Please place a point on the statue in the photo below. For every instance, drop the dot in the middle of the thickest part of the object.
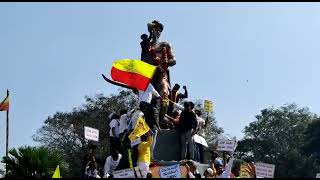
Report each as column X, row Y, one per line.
column 159, row 54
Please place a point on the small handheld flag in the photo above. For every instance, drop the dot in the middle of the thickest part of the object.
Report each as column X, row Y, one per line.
column 56, row 173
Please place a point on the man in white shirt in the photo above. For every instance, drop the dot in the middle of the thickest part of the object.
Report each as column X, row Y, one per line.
column 202, row 124
column 144, row 100
column 146, row 95
column 111, row 163
column 123, row 122
column 114, row 131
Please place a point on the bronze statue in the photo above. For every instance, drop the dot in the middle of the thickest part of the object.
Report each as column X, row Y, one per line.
column 161, row 55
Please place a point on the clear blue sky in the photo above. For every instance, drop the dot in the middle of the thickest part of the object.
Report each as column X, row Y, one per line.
column 52, row 55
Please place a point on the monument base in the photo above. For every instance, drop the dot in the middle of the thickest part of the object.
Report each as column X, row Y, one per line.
column 167, row 150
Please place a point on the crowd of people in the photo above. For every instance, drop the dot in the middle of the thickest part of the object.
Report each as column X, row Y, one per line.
column 186, row 120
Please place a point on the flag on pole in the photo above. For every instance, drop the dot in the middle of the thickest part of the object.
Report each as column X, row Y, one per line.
column 140, row 129
column 4, row 105
column 133, row 73
column 56, row 173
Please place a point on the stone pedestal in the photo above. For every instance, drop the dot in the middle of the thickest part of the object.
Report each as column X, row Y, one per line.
column 167, row 150
column 167, row 147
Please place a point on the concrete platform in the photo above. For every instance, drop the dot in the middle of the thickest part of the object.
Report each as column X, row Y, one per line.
column 167, row 150
column 167, row 147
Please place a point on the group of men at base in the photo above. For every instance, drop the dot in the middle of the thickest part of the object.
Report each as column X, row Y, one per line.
column 186, row 120
column 218, row 167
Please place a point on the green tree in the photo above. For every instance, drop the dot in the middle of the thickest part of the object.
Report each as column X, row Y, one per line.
column 312, row 138
column 277, row 137
column 32, row 162
column 64, row 131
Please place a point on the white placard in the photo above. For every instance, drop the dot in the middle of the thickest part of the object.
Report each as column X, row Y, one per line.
column 124, row 173
column 318, row 175
column 226, row 145
column 170, row 171
column 200, row 140
column 91, row 133
column 265, row 170
column 135, row 142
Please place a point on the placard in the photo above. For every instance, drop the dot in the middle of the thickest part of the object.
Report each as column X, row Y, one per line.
column 91, row 133
column 264, row 170
column 170, row 171
column 318, row 175
column 135, row 142
column 226, row 145
column 208, row 106
column 200, row 140
column 124, row 173
column 155, row 171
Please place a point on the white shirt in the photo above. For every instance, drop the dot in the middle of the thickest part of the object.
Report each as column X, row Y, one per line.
column 123, row 123
column 114, row 124
column 110, row 165
column 201, row 123
column 135, row 116
column 146, row 95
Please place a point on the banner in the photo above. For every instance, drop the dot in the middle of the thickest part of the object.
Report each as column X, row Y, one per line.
column 200, row 140
column 208, row 106
column 226, row 145
column 124, row 173
column 170, row 171
column 91, row 133
column 155, row 171
column 264, row 170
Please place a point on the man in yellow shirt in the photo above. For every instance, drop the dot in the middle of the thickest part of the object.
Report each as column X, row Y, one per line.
column 144, row 156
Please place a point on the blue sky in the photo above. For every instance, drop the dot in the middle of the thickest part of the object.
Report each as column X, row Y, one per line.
column 52, row 55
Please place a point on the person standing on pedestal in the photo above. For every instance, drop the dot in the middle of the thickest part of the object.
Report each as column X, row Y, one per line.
column 187, row 128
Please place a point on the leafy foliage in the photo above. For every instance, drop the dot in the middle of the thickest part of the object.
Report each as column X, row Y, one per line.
column 32, row 162
column 277, row 137
column 64, row 132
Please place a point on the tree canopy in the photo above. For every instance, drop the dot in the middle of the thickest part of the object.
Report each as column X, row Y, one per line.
column 278, row 137
column 34, row 162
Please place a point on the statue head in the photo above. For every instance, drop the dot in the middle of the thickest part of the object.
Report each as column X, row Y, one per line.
column 155, row 28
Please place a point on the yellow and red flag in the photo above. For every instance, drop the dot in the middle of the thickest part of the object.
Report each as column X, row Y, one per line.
column 4, row 105
column 134, row 73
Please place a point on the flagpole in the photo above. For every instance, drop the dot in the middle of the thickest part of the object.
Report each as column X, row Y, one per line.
column 7, row 132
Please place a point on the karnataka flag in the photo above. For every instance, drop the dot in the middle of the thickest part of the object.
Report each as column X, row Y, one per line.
column 133, row 73
column 140, row 129
column 4, row 105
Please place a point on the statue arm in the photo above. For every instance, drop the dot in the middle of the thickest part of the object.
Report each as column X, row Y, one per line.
column 171, row 56
column 185, row 95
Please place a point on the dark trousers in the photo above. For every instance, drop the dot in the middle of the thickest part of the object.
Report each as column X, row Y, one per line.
column 135, row 155
column 114, row 144
column 198, row 153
